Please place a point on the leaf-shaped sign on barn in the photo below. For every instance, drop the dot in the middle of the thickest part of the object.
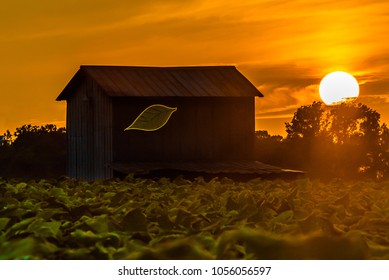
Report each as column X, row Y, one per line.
column 152, row 118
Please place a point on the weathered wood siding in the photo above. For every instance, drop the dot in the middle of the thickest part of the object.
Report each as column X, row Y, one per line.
column 89, row 128
column 214, row 120
column 202, row 128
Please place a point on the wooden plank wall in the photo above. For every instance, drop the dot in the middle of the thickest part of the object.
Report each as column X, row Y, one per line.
column 89, row 126
column 102, row 134
column 202, row 128
column 209, row 128
column 77, row 113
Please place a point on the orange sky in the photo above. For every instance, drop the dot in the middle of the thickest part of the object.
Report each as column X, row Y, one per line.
column 283, row 47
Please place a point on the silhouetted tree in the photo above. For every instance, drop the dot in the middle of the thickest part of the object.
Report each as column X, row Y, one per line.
column 6, row 139
column 267, row 146
column 303, row 133
column 355, row 129
column 346, row 140
column 384, row 147
column 306, row 122
column 264, row 135
column 34, row 151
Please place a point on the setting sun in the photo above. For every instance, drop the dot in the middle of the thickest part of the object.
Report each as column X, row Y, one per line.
column 338, row 87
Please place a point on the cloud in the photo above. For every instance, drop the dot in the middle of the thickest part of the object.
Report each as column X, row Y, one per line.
column 380, row 86
column 275, row 114
column 374, row 77
column 275, row 76
column 286, row 87
column 283, row 47
column 26, row 20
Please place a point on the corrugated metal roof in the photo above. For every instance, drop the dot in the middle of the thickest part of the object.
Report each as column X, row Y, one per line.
column 219, row 81
column 210, row 167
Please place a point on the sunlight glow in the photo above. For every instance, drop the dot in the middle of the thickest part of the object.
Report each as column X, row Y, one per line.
column 338, row 87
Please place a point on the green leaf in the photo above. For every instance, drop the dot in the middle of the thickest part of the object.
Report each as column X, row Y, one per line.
column 18, row 249
column 98, row 224
column 84, row 237
column 78, row 254
column 134, row 220
column 20, row 187
column 152, row 118
column 3, row 223
column 45, row 229
column 20, row 227
column 284, row 217
column 48, row 213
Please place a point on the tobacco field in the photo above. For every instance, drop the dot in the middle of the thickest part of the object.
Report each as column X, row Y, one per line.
column 193, row 219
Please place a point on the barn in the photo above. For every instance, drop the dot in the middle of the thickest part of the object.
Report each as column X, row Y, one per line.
column 212, row 129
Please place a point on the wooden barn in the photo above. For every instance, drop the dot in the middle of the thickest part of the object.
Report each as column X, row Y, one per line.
column 212, row 129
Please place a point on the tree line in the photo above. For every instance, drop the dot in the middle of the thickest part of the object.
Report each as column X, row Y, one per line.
column 33, row 152
column 342, row 141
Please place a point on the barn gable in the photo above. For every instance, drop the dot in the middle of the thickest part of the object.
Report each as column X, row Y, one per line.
column 214, row 121
column 196, row 81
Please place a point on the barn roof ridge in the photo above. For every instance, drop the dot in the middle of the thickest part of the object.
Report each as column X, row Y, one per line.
column 156, row 67
column 164, row 81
